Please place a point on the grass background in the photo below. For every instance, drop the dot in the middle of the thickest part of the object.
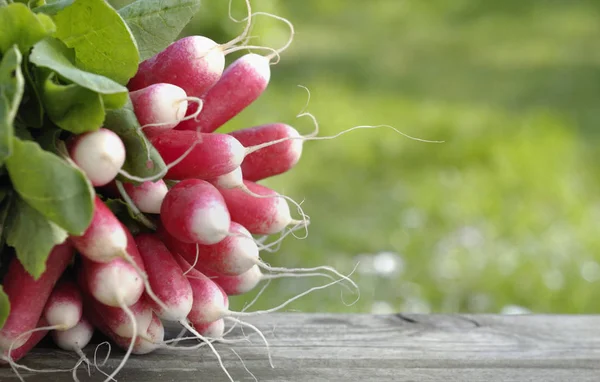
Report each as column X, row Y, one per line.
column 502, row 217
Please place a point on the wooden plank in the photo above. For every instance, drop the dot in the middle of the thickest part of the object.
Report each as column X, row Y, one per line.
column 324, row 347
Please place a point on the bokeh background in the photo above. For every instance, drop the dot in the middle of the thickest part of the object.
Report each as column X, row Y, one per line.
column 504, row 216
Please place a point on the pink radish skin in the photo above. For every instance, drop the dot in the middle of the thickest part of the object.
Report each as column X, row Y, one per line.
column 271, row 160
column 166, row 279
column 209, row 304
column 105, row 239
column 194, row 211
column 233, row 255
column 19, row 352
column 64, row 306
column 241, row 84
column 193, row 63
column 148, row 196
column 159, row 104
column 261, row 216
column 236, row 285
column 100, row 154
column 212, row 155
column 76, row 338
column 118, row 320
column 28, row 296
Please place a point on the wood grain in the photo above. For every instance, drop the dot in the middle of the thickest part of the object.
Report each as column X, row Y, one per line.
column 325, row 347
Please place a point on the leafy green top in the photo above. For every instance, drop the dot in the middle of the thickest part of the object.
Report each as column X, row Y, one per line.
column 64, row 65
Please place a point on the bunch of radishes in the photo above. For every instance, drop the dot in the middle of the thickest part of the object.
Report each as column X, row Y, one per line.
column 187, row 237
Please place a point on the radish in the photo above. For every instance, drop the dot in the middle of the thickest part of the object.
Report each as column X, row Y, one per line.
column 18, row 352
column 236, row 284
column 28, row 296
column 166, row 278
column 210, row 155
column 194, row 211
column 231, row 256
column 194, row 63
column 64, row 306
column 262, row 216
column 272, row 160
column 242, row 83
column 76, row 338
column 159, row 104
column 148, row 196
column 114, row 283
column 100, row 154
column 105, row 239
column 159, row 107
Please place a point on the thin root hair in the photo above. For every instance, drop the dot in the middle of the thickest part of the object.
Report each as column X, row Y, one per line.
column 246, row 31
column 244, row 365
column 131, row 343
column 197, row 100
column 262, row 336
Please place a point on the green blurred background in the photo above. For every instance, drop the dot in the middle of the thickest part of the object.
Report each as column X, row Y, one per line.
column 502, row 217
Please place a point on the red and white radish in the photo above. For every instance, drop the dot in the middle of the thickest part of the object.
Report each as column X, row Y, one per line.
column 241, row 84
column 64, row 306
column 272, row 160
column 114, row 283
column 166, row 278
column 208, row 155
column 148, row 196
column 262, row 216
column 28, row 296
column 18, row 352
column 100, row 154
column 159, row 107
column 231, row 256
column 194, row 212
column 194, row 63
column 105, row 238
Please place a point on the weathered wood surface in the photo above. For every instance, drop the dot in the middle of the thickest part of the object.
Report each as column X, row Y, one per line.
column 323, row 347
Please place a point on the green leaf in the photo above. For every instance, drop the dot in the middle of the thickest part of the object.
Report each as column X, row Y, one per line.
column 4, row 307
column 53, row 7
column 18, row 25
column 24, row 222
column 54, row 187
column 141, row 159
column 12, row 84
column 102, row 41
column 52, row 54
column 72, row 107
column 157, row 23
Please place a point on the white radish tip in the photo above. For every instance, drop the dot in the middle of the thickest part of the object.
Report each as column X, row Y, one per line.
column 260, row 65
column 210, row 224
column 100, row 154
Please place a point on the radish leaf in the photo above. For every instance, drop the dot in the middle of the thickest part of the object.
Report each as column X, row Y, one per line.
column 12, row 84
column 54, row 187
column 52, row 54
column 25, row 220
column 102, row 41
column 18, row 25
column 157, row 23
column 72, row 107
